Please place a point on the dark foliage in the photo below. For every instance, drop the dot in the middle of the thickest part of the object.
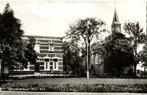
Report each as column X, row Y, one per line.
column 31, row 54
column 119, row 55
column 72, row 62
column 11, row 46
column 136, row 37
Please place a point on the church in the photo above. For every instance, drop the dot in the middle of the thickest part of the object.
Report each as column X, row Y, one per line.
column 123, row 63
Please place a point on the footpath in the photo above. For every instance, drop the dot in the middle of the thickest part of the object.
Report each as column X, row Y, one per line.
column 63, row 93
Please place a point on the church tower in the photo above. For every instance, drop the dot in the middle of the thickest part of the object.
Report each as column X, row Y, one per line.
column 116, row 26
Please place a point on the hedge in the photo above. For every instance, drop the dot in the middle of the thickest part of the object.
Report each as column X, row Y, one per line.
column 134, row 88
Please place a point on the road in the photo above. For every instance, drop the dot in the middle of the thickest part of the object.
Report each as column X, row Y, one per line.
column 64, row 93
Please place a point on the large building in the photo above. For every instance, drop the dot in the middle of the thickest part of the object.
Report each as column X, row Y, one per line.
column 97, row 60
column 103, row 67
column 50, row 57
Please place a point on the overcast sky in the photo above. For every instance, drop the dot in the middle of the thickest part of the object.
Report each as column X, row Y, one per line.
column 52, row 17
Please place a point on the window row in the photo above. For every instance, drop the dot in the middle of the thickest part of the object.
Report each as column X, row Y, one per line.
column 56, row 41
column 46, row 51
column 58, row 48
column 47, row 66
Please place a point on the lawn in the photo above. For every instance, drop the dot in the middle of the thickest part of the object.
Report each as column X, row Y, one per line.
column 77, row 85
column 80, row 81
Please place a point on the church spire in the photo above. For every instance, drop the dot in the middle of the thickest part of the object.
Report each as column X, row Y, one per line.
column 116, row 26
column 115, row 17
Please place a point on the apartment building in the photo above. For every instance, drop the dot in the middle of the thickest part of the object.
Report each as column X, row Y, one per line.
column 50, row 57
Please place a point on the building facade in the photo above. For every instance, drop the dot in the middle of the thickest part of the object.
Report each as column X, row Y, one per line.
column 50, row 55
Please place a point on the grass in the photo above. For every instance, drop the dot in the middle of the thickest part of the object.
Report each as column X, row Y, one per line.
column 77, row 85
column 79, row 81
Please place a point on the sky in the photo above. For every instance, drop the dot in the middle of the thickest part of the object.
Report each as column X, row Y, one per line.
column 53, row 17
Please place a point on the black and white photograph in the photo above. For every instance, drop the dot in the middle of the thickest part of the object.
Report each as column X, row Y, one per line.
column 73, row 47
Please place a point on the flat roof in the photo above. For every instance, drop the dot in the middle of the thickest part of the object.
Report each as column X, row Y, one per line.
column 43, row 36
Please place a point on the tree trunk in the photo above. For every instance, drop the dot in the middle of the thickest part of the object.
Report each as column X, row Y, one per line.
column 135, row 70
column 144, row 70
column 89, row 55
column 88, row 59
column 87, row 62
column 2, row 70
column 136, row 61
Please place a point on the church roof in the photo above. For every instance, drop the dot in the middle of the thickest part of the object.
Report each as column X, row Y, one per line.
column 115, row 18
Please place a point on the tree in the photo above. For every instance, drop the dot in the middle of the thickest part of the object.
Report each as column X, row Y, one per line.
column 31, row 54
column 86, row 30
column 119, row 54
column 143, row 57
column 11, row 45
column 99, row 48
column 71, row 59
column 136, row 37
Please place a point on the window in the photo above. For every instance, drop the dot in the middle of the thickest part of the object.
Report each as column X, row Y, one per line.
column 46, row 59
column 43, row 43
column 51, row 65
column 58, row 48
column 41, row 67
column 41, row 63
column 50, row 52
column 42, row 55
column 59, row 55
column 46, row 65
column 57, row 51
column 60, row 63
column 55, row 60
column 43, row 40
column 58, row 41
column 55, row 65
column 60, row 59
column 51, row 47
column 58, row 44
column 41, row 59
column 60, row 67
column 43, row 51
column 51, row 55
column 44, row 47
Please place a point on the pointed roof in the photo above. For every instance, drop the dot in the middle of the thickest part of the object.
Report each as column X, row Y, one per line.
column 115, row 18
